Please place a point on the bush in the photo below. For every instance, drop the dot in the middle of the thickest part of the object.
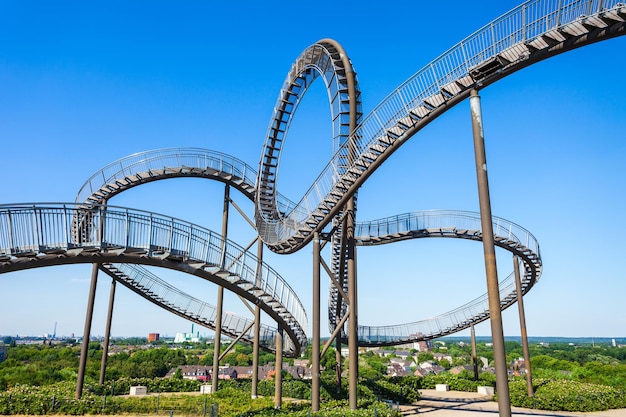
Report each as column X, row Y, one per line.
column 456, row 382
column 565, row 395
column 394, row 389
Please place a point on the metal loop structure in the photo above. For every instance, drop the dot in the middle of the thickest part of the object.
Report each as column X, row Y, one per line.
column 88, row 231
column 533, row 31
column 325, row 59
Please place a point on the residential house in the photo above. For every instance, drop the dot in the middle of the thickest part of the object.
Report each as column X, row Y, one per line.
column 396, row 369
column 419, row 371
column 441, row 356
column 199, row 372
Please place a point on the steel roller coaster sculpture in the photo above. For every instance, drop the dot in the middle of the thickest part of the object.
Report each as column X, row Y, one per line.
column 121, row 240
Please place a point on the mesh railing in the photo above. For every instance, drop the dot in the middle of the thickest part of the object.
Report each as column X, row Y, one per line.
column 144, row 162
column 442, row 219
column 41, row 228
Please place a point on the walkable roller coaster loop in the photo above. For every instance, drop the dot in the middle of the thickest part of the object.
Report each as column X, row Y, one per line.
column 123, row 240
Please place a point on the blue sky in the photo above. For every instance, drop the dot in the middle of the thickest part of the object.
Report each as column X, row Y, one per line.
column 83, row 84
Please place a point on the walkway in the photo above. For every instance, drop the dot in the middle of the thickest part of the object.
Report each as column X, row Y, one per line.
column 470, row 404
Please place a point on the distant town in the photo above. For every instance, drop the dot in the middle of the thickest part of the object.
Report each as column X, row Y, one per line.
column 402, row 360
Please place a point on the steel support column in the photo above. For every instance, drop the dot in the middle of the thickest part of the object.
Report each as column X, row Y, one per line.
column 255, row 353
column 474, row 355
column 278, row 369
column 107, row 333
column 353, row 335
column 87, row 331
column 257, row 327
column 217, row 342
column 315, row 343
column 522, row 325
column 493, row 291
column 353, row 342
column 220, row 296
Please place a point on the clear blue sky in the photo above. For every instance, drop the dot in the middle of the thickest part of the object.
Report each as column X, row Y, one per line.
column 85, row 83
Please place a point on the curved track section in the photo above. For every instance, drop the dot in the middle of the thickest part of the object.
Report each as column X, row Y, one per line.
column 36, row 235
column 152, row 288
column 328, row 60
column 149, row 166
column 533, row 31
column 161, row 164
column 167, row 163
column 449, row 224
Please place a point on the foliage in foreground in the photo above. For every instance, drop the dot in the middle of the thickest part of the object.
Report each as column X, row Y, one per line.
column 230, row 400
column 566, row 395
column 233, row 398
column 550, row 394
column 462, row 382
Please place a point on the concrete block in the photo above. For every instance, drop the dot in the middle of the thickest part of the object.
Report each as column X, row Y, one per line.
column 485, row 390
column 442, row 387
column 138, row 390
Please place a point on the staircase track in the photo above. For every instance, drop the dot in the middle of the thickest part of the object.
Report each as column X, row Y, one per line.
column 458, row 225
column 151, row 287
column 36, row 235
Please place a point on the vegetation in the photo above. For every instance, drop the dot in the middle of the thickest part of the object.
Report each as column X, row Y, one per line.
column 40, row 379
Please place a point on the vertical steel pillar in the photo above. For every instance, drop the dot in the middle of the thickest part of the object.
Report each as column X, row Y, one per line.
column 257, row 326
column 353, row 342
column 107, row 333
column 522, row 324
column 87, row 331
column 255, row 352
column 493, row 291
column 278, row 376
column 220, row 296
column 315, row 344
column 353, row 335
column 474, row 355
column 217, row 343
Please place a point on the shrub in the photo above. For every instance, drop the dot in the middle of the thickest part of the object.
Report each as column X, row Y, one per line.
column 456, row 382
column 565, row 395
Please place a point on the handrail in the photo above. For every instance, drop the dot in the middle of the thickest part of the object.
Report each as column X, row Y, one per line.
column 28, row 230
column 145, row 162
column 433, row 219
column 182, row 159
